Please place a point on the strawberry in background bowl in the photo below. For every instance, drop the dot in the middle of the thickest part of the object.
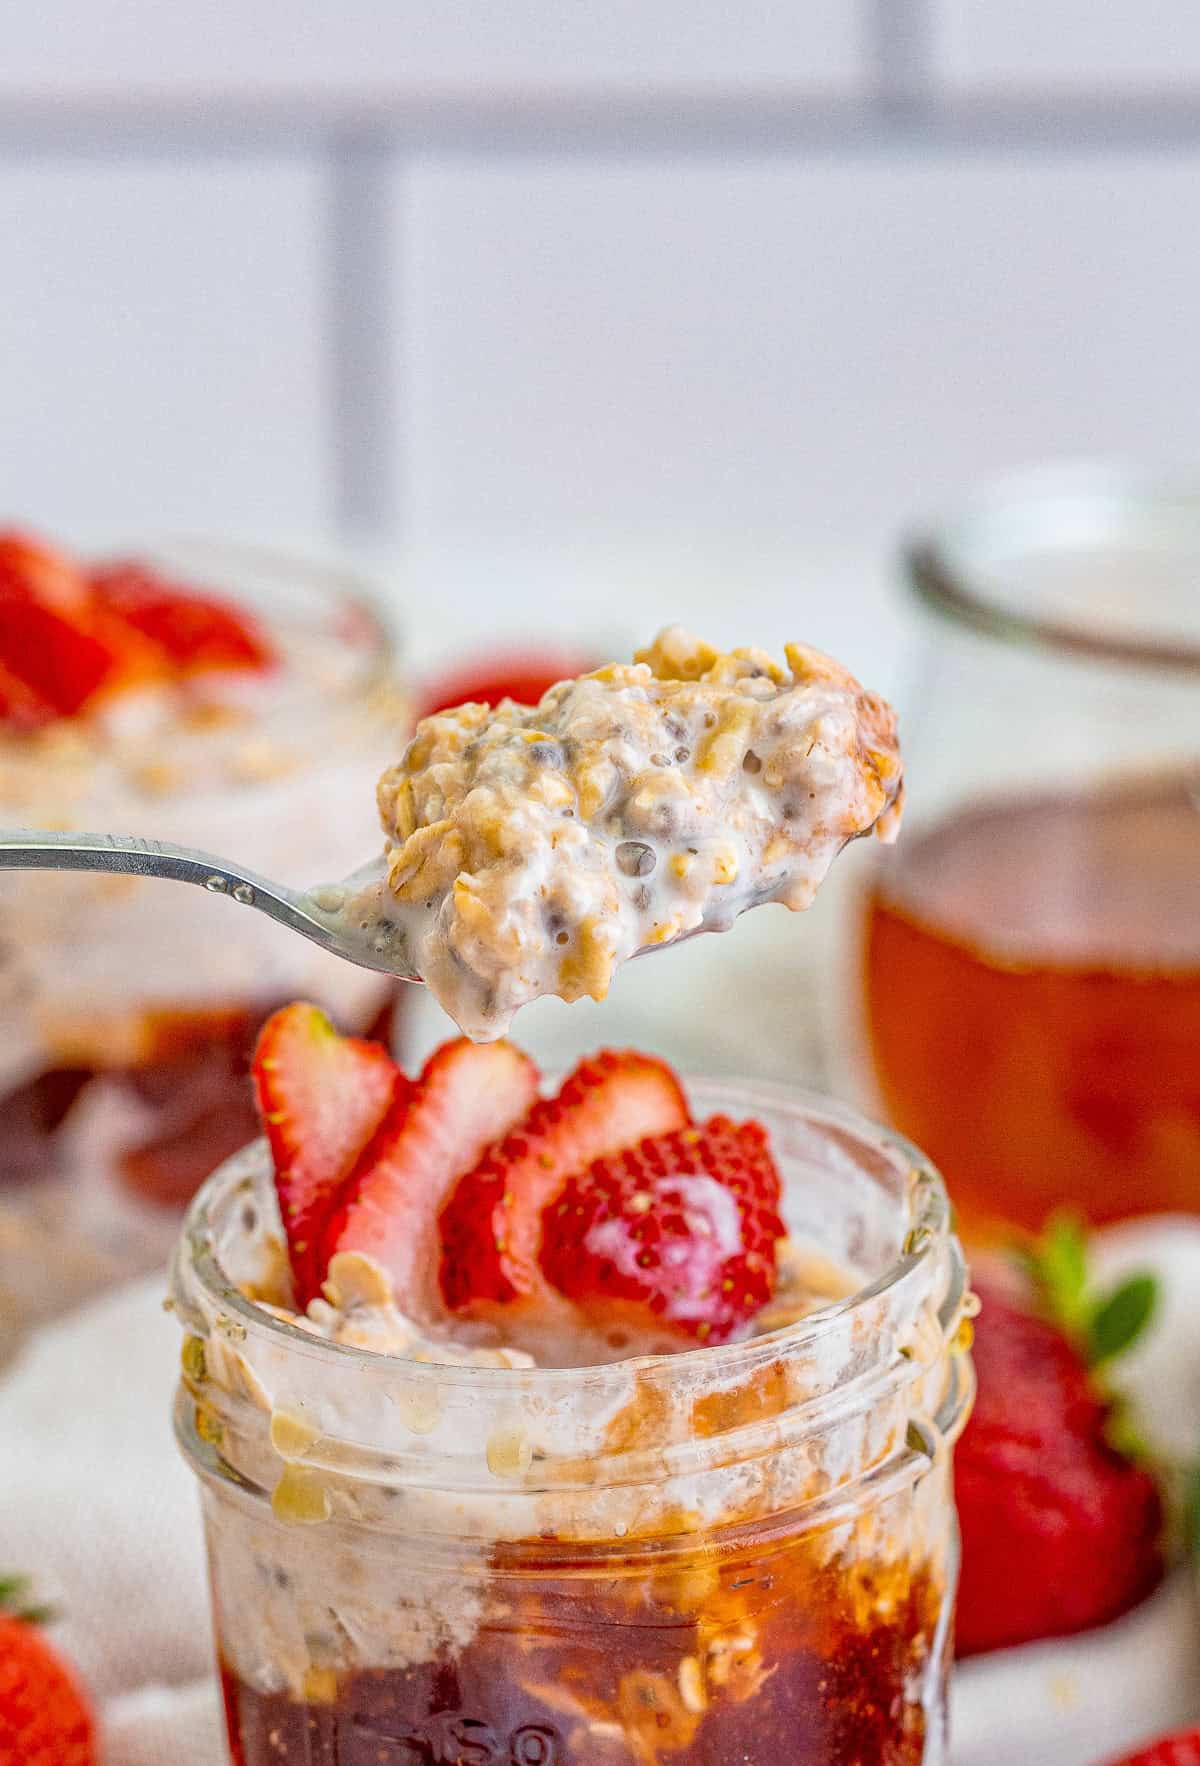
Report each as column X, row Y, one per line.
column 73, row 637
column 223, row 697
column 1182, row 1748
column 487, row 677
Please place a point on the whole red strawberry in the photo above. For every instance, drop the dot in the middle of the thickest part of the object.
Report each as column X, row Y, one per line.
column 45, row 1720
column 1180, row 1749
column 1061, row 1530
column 678, row 1231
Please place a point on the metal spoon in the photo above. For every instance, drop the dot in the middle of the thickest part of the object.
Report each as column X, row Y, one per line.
column 346, row 918
column 349, row 918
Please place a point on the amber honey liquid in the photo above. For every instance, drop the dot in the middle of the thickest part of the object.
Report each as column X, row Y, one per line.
column 1032, row 975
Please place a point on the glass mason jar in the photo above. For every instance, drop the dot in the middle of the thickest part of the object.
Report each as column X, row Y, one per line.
column 745, row 1552
column 1030, row 951
column 128, row 1006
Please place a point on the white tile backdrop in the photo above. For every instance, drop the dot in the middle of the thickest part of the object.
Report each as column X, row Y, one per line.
column 162, row 344
column 591, row 304
column 1069, row 47
column 147, row 47
column 697, row 350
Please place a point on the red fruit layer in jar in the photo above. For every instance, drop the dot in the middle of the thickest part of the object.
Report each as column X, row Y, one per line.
column 641, row 1671
column 189, row 1082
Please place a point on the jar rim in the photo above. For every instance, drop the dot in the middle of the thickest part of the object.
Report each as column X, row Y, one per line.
column 927, row 1227
column 945, row 566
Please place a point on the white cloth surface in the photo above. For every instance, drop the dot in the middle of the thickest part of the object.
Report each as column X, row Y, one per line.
column 97, row 1504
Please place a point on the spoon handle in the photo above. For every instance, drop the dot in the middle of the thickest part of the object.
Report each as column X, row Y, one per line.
column 38, row 849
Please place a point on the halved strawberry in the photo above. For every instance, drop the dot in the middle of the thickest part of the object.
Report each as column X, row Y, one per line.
column 194, row 631
column 469, row 1095
column 678, row 1231
column 321, row 1097
column 491, row 1228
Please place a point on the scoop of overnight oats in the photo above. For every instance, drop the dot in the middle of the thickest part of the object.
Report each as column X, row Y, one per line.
column 249, row 720
column 532, row 850
column 593, row 1422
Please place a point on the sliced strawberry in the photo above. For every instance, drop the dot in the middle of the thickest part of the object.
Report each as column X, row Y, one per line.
column 321, row 1097
column 1180, row 1749
column 56, row 655
column 63, row 665
column 469, row 1095
column 68, row 639
column 491, row 1227
column 678, row 1231
column 522, row 675
column 195, row 632
column 20, row 707
column 34, row 571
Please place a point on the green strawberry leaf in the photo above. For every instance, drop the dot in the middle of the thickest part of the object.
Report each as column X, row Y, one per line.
column 1102, row 1325
column 1056, row 1263
column 1119, row 1317
column 14, row 1601
column 1124, row 1436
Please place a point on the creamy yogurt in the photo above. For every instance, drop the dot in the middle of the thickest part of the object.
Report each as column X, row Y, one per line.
column 358, row 1307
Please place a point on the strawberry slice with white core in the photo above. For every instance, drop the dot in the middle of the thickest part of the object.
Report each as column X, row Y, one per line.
column 468, row 1096
column 678, row 1232
column 321, row 1097
column 491, row 1228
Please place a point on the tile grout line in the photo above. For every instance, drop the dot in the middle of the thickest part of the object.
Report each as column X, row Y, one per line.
column 362, row 313
column 900, row 50
column 903, row 107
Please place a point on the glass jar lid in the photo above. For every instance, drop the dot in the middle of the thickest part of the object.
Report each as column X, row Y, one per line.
column 1097, row 560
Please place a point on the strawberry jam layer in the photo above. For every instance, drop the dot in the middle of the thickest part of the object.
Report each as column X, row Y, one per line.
column 773, row 1657
column 181, row 1079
